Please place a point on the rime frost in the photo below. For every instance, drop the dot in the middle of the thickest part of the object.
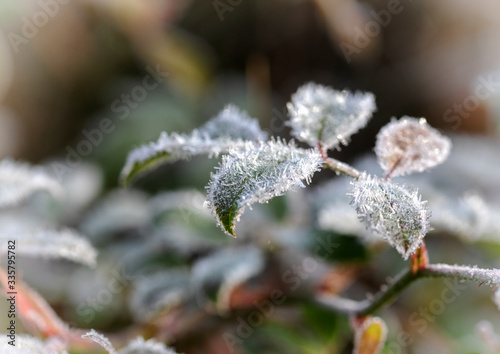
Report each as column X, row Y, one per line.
column 256, row 174
column 141, row 346
column 235, row 124
column 320, row 114
column 488, row 276
column 394, row 212
column 410, row 145
column 229, row 129
column 20, row 180
column 100, row 339
column 52, row 244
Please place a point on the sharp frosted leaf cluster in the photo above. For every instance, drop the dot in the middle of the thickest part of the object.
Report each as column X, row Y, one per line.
column 230, row 128
column 141, row 346
column 320, row 114
column 410, row 145
column 52, row 244
column 20, row 180
column 256, row 174
column 395, row 213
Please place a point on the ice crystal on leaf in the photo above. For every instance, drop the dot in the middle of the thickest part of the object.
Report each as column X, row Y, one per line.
column 51, row 244
column 230, row 128
column 100, row 339
column 141, row 346
column 136, row 346
column 256, row 174
column 235, row 124
column 410, row 145
column 395, row 213
column 20, row 180
column 320, row 114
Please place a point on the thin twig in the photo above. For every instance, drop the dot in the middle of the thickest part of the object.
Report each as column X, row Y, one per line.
column 400, row 283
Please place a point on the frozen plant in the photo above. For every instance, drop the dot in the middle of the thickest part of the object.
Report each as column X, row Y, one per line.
column 255, row 170
column 183, row 283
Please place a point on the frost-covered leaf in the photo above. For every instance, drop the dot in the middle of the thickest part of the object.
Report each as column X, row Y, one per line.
column 235, row 124
column 20, row 180
column 158, row 292
column 119, row 211
column 370, row 336
column 101, row 340
column 320, row 114
column 395, row 213
column 410, row 145
column 25, row 344
column 229, row 129
column 51, row 244
column 470, row 218
column 141, row 346
column 221, row 272
column 256, row 174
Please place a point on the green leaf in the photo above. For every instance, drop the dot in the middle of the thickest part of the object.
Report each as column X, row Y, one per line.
column 229, row 129
column 256, row 174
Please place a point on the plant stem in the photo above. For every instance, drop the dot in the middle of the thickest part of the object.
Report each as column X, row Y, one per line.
column 341, row 167
column 402, row 281
column 337, row 165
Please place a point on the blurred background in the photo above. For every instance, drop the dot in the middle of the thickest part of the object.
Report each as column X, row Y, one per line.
column 130, row 69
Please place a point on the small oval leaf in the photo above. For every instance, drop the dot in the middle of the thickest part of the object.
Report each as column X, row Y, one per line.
column 410, row 145
column 370, row 336
column 320, row 114
column 395, row 213
column 256, row 174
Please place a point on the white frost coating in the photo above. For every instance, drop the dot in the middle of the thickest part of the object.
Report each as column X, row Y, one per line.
column 20, row 180
column 229, row 129
column 235, row 124
column 141, row 346
column 155, row 292
column 410, row 145
column 100, row 339
column 395, row 213
column 25, row 344
column 52, row 244
column 322, row 114
column 481, row 275
column 256, row 174
column 228, row 268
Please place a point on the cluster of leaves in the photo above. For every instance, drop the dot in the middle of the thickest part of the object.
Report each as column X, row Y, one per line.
column 186, row 274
